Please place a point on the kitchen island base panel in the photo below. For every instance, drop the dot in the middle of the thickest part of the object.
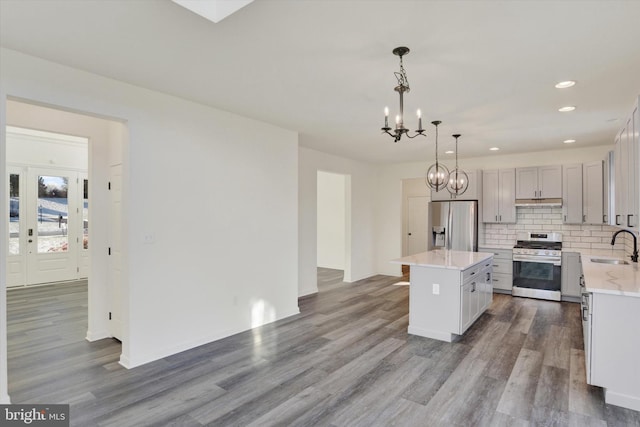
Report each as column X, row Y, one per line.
column 436, row 335
column 623, row 400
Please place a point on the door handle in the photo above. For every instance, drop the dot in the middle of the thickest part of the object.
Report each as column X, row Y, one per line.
column 409, row 234
column 30, row 241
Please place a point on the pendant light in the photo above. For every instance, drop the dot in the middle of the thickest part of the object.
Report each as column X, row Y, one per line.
column 401, row 88
column 437, row 174
column 458, row 179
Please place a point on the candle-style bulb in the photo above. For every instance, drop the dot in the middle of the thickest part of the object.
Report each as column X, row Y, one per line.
column 386, row 111
column 419, row 113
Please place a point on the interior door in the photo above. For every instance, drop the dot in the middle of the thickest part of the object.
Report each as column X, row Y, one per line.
column 52, row 237
column 417, row 225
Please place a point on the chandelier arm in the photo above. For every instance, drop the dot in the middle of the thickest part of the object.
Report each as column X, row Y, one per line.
column 417, row 134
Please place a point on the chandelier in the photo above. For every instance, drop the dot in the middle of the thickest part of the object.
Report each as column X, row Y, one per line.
column 437, row 174
column 458, row 179
column 403, row 86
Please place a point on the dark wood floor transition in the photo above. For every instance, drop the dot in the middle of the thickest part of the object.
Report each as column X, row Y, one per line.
column 346, row 360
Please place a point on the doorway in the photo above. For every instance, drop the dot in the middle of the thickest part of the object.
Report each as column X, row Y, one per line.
column 69, row 212
column 48, row 207
column 332, row 225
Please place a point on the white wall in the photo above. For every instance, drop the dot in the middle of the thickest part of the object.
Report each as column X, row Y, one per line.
column 222, row 204
column 361, row 183
column 331, row 220
column 389, row 196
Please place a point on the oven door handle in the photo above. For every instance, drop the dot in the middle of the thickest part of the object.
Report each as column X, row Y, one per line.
column 537, row 259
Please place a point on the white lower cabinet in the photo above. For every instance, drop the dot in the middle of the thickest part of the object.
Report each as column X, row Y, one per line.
column 502, row 276
column 445, row 302
column 571, row 272
column 615, row 346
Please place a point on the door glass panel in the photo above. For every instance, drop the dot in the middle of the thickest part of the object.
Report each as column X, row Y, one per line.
column 53, row 211
column 85, row 215
column 14, row 214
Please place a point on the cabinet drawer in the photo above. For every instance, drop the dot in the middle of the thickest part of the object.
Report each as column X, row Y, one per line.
column 502, row 281
column 472, row 273
column 502, row 266
column 498, row 253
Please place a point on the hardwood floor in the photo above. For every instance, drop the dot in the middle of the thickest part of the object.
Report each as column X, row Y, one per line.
column 345, row 360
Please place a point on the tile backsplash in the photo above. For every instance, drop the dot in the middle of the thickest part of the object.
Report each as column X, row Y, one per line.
column 547, row 218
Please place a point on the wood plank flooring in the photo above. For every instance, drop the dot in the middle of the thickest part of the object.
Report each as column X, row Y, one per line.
column 346, row 360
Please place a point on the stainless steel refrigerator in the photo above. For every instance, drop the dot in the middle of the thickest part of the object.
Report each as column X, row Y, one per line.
column 453, row 225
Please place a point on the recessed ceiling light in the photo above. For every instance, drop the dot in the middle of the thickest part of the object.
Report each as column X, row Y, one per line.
column 494, row 148
column 567, row 108
column 569, row 141
column 565, row 84
column 448, row 152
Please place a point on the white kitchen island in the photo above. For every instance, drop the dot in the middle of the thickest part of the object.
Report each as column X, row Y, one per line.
column 448, row 291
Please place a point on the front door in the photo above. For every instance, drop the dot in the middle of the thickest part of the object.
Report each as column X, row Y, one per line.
column 54, row 219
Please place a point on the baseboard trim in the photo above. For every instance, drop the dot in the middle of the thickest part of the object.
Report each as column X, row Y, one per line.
column 95, row 336
column 623, row 400
column 436, row 335
column 133, row 362
column 4, row 399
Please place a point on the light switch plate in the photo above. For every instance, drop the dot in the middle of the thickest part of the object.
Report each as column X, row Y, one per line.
column 436, row 289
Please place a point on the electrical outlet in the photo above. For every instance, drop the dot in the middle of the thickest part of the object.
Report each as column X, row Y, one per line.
column 149, row 238
column 436, row 289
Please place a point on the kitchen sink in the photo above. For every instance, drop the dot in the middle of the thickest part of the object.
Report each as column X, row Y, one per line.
column 609, row 261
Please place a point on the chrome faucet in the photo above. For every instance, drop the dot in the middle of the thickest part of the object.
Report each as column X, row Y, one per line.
column 634, row 257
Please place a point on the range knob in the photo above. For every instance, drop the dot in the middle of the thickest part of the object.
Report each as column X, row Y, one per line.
column 546, row 253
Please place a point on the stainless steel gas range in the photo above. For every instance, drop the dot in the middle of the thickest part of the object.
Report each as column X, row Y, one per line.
column 537, row 265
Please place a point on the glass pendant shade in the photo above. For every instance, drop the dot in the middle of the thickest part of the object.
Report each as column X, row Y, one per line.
column 458, row 182
column 437, row 174
column 458, row 179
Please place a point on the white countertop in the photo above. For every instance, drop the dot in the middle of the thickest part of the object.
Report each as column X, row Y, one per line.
column 621, row 279
column 442, row 258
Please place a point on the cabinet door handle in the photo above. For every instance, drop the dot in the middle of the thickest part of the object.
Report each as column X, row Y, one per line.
column 584, row 218
column 500, row 218
column 628, row 221
column 496, row 218
column 604, row 219
column 618, row 220
column 565, row 218
column 473, row 287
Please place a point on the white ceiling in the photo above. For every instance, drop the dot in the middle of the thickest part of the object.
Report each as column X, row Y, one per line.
column 324, row 68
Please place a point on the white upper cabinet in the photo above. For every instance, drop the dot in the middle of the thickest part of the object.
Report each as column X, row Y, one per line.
column 572, row 194
column 498, row 196
column 626, row 160
column 550, row 182
column 526, row 183
column 583, row 193
column 593, row 194
column 539, row 182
